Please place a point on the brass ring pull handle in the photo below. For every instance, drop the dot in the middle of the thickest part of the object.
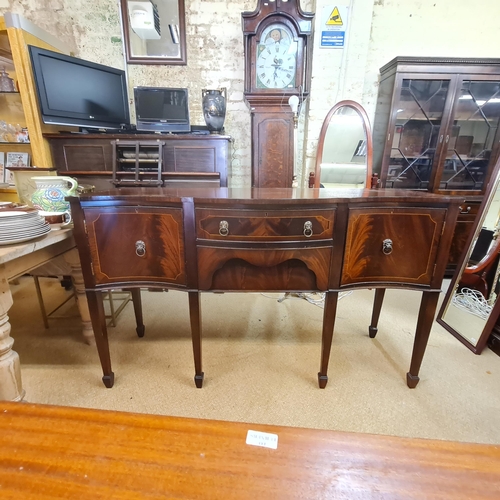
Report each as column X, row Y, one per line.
column 140, row 248
column 464, row 211
column 308, row 229
column 387, row 246
column 223, row 227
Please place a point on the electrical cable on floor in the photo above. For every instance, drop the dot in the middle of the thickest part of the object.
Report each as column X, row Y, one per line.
column 473, row 302
column 315, row 298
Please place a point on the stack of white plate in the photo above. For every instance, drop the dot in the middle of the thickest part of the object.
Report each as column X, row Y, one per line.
column 18, row 226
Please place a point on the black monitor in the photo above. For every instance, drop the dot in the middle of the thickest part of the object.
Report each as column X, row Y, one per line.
column 162, row 109
column 72, row 91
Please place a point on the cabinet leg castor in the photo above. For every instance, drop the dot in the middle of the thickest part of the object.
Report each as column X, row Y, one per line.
column 109, row 380
column 372, row 331
column 198, row 380
column 412, row 380
column 322, row 380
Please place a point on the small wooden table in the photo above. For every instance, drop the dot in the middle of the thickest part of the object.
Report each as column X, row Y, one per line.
column 60, row 452
column 16, row 260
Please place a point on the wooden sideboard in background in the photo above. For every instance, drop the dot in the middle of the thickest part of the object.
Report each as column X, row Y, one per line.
column 188, row 159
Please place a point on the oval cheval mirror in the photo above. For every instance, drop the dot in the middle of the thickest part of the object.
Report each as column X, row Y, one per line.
column 472, row 305
column 344, row 156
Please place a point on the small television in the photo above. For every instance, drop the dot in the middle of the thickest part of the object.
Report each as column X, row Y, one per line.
column 162, row 109
column 72, row 91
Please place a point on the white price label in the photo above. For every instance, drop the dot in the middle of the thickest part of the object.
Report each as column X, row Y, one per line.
column 264, row 439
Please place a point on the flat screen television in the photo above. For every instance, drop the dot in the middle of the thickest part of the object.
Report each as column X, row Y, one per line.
column 72, row 91
column 162, row 109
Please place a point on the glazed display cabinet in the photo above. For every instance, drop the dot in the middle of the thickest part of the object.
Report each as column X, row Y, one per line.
column 436, row 129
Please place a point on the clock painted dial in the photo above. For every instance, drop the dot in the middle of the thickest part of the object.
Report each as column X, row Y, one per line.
column 276, row 58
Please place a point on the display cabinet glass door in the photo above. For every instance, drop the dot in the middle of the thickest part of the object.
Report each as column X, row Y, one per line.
column 415, row 133
column 470, row 141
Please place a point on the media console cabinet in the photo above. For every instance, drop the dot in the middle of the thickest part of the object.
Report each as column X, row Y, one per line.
column 186, row 158
column 251, row 240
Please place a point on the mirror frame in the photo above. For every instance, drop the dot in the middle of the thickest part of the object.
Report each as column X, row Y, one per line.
column 322, row 136
column 131, row 59
column 462, row 268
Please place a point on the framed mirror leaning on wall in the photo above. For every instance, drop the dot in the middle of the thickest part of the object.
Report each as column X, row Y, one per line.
column 472, row 303
column 344, row 156
column 154, row 31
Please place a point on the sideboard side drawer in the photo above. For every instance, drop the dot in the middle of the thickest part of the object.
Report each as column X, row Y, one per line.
column 392, row 245
column 136, row 244
column 264, row 226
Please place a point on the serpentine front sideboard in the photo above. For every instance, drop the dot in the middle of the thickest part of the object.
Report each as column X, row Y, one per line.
column 250, row 240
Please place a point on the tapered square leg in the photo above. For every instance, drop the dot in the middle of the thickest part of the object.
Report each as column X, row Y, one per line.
column 424, row 324
column 97, row 315
column 136, row 299
column 195, row 319
column 377, row 307
column 327, row 335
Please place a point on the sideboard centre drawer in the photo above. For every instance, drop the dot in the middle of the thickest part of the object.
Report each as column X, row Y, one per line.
column 136, row 244
column 264, row 226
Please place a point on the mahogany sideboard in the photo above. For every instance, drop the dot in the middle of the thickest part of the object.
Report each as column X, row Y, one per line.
column 49, row 452
column 187, row 158
column 267, row 239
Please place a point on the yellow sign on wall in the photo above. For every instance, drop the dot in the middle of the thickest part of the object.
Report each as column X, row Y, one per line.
column 335, row 19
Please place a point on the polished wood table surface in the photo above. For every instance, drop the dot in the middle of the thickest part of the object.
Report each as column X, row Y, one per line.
column 59, row 452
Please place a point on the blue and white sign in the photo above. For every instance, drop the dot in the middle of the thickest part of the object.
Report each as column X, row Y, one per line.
column 333, row 26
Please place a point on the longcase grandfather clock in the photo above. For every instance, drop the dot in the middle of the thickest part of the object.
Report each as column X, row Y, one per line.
column 278, row 50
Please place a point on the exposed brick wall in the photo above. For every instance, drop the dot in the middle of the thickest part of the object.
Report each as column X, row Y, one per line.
column 378, row 30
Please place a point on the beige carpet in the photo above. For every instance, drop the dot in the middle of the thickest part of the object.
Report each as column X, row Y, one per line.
column 261, row 359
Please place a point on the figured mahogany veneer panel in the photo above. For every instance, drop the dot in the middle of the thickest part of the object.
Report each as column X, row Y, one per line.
column 414, row 235
column 260, row 225
column 272, row 148
column 115, row 238
column 263, row 269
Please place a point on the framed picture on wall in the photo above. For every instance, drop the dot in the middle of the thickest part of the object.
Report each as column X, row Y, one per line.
column 17, row 160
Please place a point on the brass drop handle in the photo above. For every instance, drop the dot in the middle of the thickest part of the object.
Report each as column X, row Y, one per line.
column 464, row 211
column 223, row 227
column 140, row 248
column 387, row 246
column 308, row 229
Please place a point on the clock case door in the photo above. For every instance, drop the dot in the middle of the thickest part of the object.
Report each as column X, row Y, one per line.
column 272, row 117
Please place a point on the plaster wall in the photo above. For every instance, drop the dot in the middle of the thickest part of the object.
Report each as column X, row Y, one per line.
column 377, row 31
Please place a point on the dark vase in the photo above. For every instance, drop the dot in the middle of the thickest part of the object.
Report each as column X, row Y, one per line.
column 214, row 108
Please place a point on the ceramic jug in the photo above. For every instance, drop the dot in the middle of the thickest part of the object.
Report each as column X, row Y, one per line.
column 50, row 192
